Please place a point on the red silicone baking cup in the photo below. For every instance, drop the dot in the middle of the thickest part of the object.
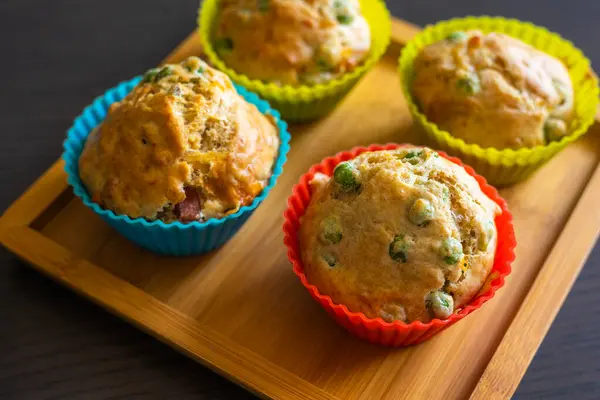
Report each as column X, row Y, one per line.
column 376, row 330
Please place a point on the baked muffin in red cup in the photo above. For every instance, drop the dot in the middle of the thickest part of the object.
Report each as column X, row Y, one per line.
column 398, row 242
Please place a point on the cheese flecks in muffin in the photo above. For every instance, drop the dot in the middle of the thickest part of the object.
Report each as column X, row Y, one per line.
column 183, row 145
column 493, row 90
column 400, row 235
column 292, row 42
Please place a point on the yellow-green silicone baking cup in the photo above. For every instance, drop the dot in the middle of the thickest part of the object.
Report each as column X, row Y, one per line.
column 303, row 103
column 506, row 166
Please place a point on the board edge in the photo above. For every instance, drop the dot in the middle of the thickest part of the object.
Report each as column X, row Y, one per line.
column 515, row 352
column 37, row 197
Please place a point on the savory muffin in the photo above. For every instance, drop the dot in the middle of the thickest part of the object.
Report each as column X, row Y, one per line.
column 291, row 42
column 399, row 234
column 183, row 145
column 493, row 90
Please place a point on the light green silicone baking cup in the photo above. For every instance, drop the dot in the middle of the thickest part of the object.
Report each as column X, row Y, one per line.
column 303, row 103
column 506, row 166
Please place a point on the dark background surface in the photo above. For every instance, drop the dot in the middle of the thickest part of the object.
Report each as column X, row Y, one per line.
column 56, row 57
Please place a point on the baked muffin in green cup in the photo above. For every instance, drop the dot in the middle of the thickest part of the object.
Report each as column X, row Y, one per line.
column 303, row 57
column 503, row 95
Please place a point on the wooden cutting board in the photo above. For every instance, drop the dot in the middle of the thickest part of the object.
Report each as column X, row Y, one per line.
column 242, row 312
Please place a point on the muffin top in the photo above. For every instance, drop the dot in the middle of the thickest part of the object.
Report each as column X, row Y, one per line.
column 399, row 234
column 292, row 42
column 493, row 90
column 183, row 145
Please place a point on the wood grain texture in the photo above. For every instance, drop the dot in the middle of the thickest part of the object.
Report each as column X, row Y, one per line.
column 259, row 328
column 56, row 345
column 151, row 315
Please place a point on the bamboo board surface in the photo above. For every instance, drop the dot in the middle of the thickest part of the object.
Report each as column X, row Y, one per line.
column 242, row 312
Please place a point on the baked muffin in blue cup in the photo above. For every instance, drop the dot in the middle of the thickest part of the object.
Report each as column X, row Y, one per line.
column 177, row 160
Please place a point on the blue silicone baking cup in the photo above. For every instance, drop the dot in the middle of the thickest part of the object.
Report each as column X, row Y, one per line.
column 175, row 239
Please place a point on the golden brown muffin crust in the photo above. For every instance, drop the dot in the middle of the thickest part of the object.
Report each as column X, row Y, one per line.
column 381, row 249
column 292, row 41
column 185, row 126
column 493, row 90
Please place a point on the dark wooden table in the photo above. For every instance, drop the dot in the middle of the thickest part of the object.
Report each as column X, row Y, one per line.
column 55, row 57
